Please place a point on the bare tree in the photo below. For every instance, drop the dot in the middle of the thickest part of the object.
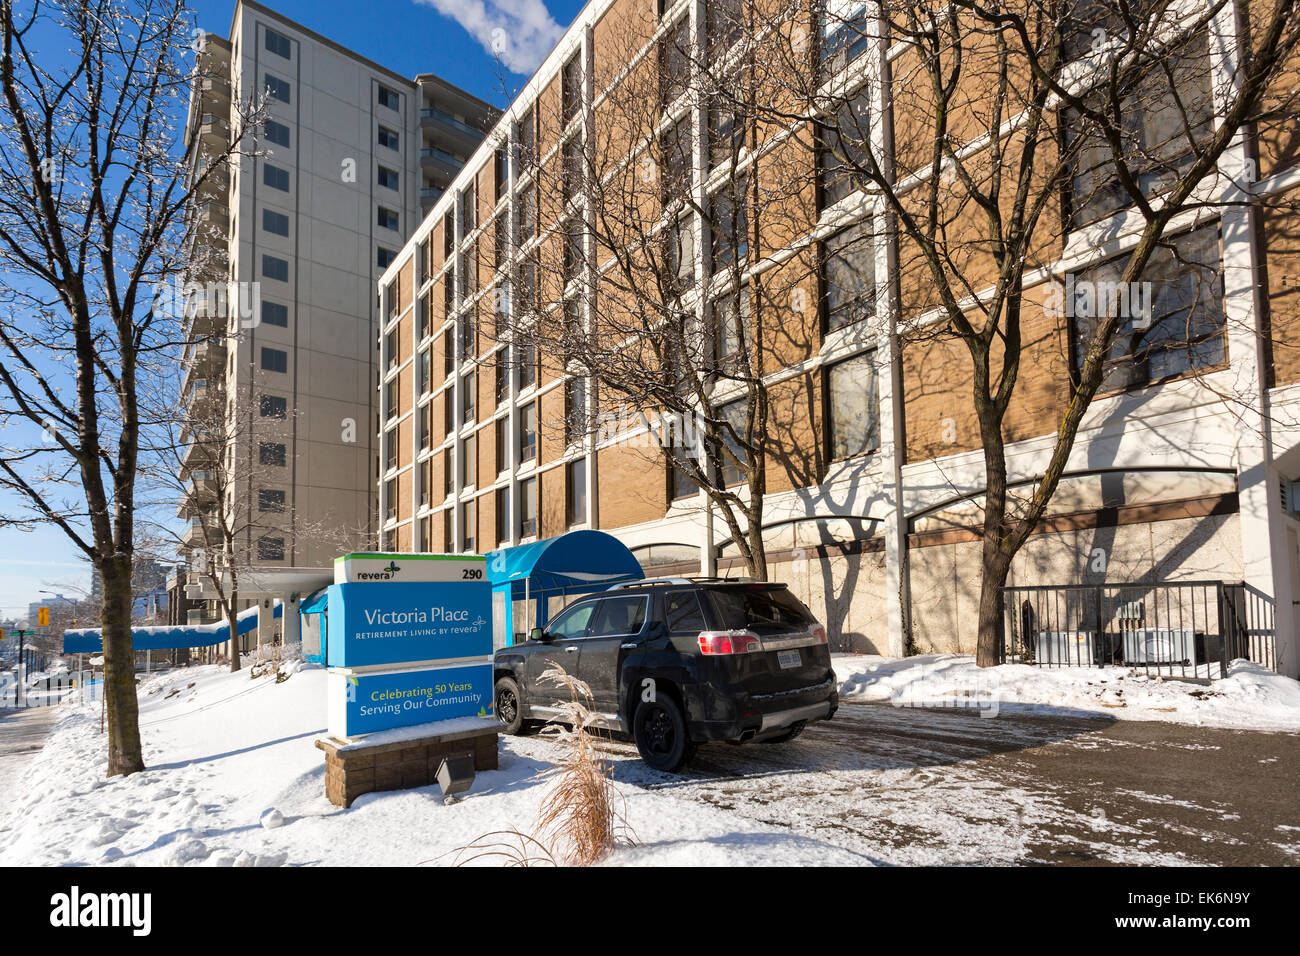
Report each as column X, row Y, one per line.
column 1012, row 123
column 656, row 255
column 95, row 175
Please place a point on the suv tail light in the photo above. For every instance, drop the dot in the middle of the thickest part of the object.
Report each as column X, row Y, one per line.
column 729, row 642
column 818, row 634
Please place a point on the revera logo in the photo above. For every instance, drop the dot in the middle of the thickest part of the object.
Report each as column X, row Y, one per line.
column 76, row 909
column 387, row 574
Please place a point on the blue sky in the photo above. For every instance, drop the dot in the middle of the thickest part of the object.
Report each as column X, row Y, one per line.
column 448, row 37
column 451, row 38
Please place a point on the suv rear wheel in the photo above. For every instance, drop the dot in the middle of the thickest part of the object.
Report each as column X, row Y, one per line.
column 660, row 733
column 509, row 707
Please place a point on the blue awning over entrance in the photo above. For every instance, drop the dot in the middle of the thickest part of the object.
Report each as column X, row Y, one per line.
column 574, row 563
column 569, row 563
column 90, row 640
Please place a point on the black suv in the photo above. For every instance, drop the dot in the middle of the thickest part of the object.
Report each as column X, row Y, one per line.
column 677, row 662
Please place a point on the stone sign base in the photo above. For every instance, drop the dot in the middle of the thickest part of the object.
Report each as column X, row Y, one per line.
column 406, row 758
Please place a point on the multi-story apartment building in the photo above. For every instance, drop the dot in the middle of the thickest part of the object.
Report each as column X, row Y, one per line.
column 874, row 521
column 347, row 161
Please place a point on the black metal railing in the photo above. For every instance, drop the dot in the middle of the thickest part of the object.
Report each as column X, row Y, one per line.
column 1179, row 629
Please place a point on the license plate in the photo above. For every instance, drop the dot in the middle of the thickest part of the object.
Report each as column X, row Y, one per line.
column 788, row 659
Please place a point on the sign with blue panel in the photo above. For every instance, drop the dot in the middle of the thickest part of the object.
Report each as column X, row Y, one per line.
column 362, row 703
column 382, row 623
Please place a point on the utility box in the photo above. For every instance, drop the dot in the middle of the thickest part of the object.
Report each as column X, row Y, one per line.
column 1066, row 647
column 1152, row 645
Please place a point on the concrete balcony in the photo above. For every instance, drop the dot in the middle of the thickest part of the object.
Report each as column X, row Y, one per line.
column 201, row 534
column 439, row 166
column 457, row 134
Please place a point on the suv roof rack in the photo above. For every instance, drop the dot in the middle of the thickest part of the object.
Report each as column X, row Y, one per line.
column 702, row 579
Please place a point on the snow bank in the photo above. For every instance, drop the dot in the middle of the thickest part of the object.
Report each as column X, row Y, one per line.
column 1250, row 697
column 234, row 778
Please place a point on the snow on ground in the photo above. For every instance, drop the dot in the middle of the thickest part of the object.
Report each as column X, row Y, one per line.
column 1250, row 697
column 234, row 779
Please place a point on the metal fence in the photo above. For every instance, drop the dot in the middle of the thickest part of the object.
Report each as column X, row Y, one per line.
column 44, row 691
column 1185, row 629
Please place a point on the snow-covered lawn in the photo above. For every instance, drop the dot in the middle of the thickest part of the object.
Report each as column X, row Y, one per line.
column 234, row 779
column 1250, row 697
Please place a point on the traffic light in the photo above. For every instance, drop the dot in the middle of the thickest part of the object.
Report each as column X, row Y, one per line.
column 42, row 617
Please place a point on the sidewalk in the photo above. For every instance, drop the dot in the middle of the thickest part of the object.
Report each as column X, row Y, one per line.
column 22, row 734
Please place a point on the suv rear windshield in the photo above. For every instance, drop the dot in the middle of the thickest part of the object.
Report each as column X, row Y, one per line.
column 761, row 609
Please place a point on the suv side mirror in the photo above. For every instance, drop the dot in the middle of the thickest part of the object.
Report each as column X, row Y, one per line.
column 537, row 634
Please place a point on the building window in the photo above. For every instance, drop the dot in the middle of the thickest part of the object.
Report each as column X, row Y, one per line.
column 449, row 352
column 571, row 87
column 575, row 478
column 274, row 406
column 390, row 449
column 500, row 175
column 271, row 453
column 1157, row 127
column 468, row 523
column 575, row 410
column 528, row 432
column 730, row 225
column 468, row 209
column 674, row 61
column 389, row 98
column 853, row 412
column 273, row 267
column 426, row 486
column 527, row 353
column 1172, row 319
column 843, row 152
column 467, row 390
column 270, row 549
column 448, row 476
column 850, row 262
column 422, row 372
column 680, row 484
column 731, row 330
column 734, row 458
column 274, row 360
column 390, row 498
column 843, row 33
column 388, row 178
column 268, row 500
column 678, row 147
column 527, row 213
column 389, row 137
column 528, row 140
column 503, row 515
column 469, row 461
column 681, row 253
column 724, row 23
column 574, row 234
column 275, row 177
column 390, row 351
column 277, row 43
column 421, row 318
column 390, row 397
column 502, row 428
column 425, row 427
column 571, row 163
column 726, row 131
column 528, row 508
column 387, row 219
column 277, row 88
column 384, row 257
column 274, row 222
column 276, row 133
column 275, row 313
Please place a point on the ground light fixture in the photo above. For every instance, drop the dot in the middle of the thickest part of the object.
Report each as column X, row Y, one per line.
column 455, row 775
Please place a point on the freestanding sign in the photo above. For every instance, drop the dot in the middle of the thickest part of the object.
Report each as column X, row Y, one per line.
column 408, row 641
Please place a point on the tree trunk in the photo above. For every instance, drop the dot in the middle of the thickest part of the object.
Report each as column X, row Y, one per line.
column 996, row 564
column 122, row 708
column 232, row 621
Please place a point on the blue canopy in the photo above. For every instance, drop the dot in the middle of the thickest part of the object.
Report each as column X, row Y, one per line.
column 569, row 563
column 90, row 640
column 315, row 602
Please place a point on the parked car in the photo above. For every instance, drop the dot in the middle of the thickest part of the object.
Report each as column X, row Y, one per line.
column 677, row 662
